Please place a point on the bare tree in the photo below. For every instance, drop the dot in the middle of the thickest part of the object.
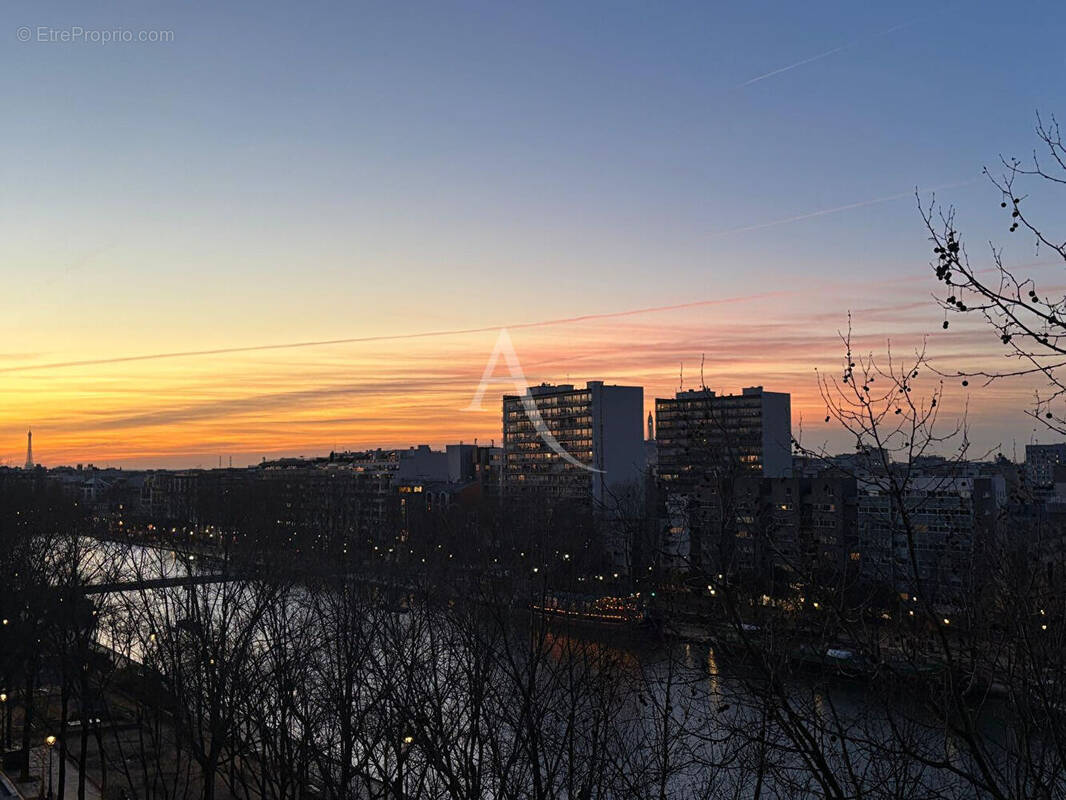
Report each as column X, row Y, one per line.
column 200, row 639
column 1029, row 320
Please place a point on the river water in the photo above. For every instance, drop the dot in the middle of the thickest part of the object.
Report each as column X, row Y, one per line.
column 624, row 712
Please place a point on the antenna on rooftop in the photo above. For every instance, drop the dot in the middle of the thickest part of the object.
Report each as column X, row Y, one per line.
column 682, row 377
column 703, row 384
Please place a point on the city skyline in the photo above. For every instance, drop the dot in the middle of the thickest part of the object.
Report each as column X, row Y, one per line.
column 385, row 172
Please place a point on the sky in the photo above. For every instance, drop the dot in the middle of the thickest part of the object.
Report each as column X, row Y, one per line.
column 660, row 184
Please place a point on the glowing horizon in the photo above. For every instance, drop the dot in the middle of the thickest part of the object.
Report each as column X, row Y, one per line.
column 249, row 402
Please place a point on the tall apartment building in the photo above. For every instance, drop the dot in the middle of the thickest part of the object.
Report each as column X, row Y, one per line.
column 586, row 446
column 699, row 428
column 704, row 439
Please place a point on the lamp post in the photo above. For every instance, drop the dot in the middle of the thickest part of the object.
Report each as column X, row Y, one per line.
column 4, row 737
column 50, row 741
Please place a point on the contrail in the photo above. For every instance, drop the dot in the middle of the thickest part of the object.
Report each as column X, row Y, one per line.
column 823, row 212
column 389, row 337
column 779, row 70
column 462, row 331
column 820, row 56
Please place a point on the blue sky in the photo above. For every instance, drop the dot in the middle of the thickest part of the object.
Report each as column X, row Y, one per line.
column 314, row 170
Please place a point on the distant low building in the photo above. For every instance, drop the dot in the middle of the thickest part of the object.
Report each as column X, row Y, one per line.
column 478, row 464
column 1040, row 463
column 794, row 527
column 949, row 520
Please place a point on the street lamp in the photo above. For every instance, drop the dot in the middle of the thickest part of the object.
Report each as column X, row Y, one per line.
column 50, row 741
column 3, row 722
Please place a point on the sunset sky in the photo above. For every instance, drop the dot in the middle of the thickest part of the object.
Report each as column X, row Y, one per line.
column 625, row 186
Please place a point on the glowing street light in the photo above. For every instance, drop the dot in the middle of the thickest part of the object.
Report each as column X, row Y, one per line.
column 50, row 741
column 4, row 736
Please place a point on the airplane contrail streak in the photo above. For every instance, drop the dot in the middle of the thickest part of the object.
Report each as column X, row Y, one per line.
column 835, row 209
column 386, row 337
column 778, row 71
column 820, row 56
